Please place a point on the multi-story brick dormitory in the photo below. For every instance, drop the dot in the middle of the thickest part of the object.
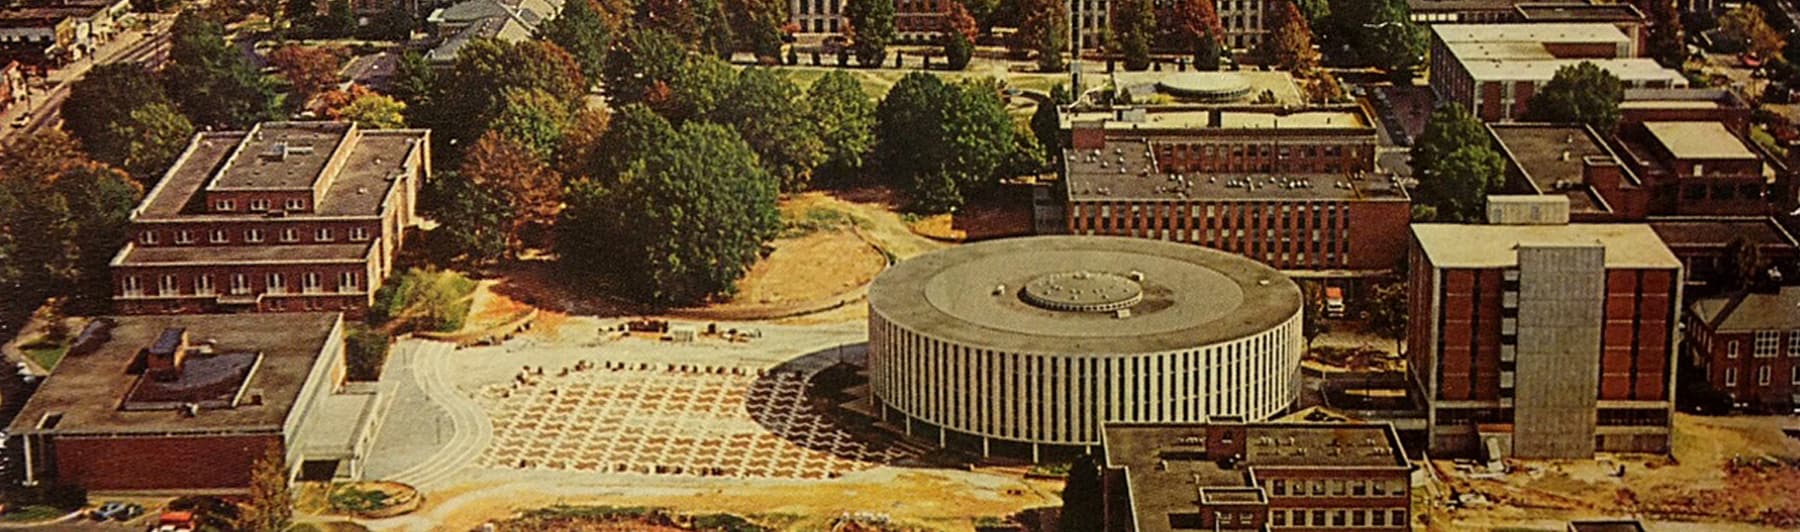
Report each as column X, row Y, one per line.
column 289, row 216
column 1229, row 475
column 1532, row 337
column 1748, row 345
column 1494, row 69
column 1293, row 189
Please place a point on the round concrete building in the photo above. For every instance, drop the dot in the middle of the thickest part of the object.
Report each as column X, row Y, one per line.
column 1025, row 346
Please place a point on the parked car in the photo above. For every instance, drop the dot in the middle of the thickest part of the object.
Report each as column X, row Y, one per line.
column 117, row 511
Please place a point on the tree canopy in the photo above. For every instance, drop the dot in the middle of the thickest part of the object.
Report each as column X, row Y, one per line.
column 847, row 116
column 1455, row 165
column 120, row 114
column 1188, row 22
column 1583, row 93
column 773, row 116
column 518, row 178
column 642, row 65
column 871, row 29
column 1381, row 32
column 626, row 230
column 310, row 70
column 580, row 31
column 1290, row 40
column 63, row 216
column 940, row 142
column 1044, row 31
column 474, row 94
column 211, row 81
column 1746, row 24
column 1133, row 26
column 375, row 111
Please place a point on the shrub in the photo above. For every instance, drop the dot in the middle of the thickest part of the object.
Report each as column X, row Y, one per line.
column 365, row 352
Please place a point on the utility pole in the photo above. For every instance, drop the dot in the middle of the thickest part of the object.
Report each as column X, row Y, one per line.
column 1075, row 43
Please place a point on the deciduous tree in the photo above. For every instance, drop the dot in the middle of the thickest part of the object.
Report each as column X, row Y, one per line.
column 757, row 25
column 687, row 219
column 473, row 95
column 939, row 141
column 1582, row 93
column 1290, row 40
column 643, row 64
column 519, row 179
column 1133, row 26
column 1455, row 166
column 107, row 95
column 870, row 26
column 474, row 224
column 769, row 112
column 269, row 507
column 1044, row 31
column 532, row 118
column 1747, row 24
column 580, row 31
column 1188, row 22
column 153, row 136
column 211, row 80
column 847, row 116
column 308, row 69
column 1387, row 315
column 375, row 111
column 1666, row 42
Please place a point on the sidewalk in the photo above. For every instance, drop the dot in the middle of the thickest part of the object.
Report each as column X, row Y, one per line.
column 47, row 95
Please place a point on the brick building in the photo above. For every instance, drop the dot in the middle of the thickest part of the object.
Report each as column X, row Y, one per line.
column 1542, row 340
column 1293, row 189
column 288, row 216
column 1573, row 161
column 1748, row 344
column 1703, row 168
column 1229, row 475
column 914, row 20
column 1684, row 105
column 189, row 403
column 1703, row 243
column 1493, row 69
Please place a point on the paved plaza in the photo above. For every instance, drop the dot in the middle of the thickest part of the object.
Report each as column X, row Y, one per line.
column 669, row 420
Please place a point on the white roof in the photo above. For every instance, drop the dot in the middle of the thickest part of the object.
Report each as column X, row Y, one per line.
column 1560, row 33
column 1635, row 70
column 1699, row 140
column 1497, row 246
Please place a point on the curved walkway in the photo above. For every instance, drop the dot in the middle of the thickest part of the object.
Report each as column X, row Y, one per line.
column 471, row 429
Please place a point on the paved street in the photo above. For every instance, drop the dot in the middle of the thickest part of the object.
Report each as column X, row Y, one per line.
column 149, row 46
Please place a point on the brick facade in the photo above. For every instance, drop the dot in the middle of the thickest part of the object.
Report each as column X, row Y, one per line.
column 1748, row 346
column 145, row 463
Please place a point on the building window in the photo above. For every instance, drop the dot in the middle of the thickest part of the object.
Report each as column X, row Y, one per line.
column 290, row 234
column 1730, row 377
column 187, row 237
column 218, row 236
column 168, row 286
column 203, row 284
column 323, row 235
column 1731, row 349
column 1762, row 375
column 1768, row 344
column 347, row 282
column 277, row 284
column 1397, row 517
column 130, row 286
column 1794, row 343
column 309, row 282
column 253, row 235
column 1318, row 518
column 1337, row 518
column 147, row 237
column 1278, row 517
column 1796, row 378
column 1359, row 518
column 1358, row 488
column 1378, row 518
column 240, row 284
column 224, row 205
column 296, row 204
column 1280, row 487
column 259, row 205
column 358, row 234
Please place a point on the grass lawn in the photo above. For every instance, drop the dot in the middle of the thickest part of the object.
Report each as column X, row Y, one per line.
column 31, row 514
column 45, row 352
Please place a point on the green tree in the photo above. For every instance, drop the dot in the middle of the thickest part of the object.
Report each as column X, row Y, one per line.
column 1044, row 31
column 687, row 219
column 769, row 112
column 1046, row 125
column 153, row 136
column 107, row 95
column 757, row 26
column 1743, row 265
column 1583, row 93
column 365, row 352
column 533, row 118
column 643, row 65
column 633, row 129
column 474, row 92
column 339, row 20
column 1133, row 26
column 1386, row 314
column 847, row 117
column 1666, row 42
column 1207, row 53
column 871, row 29
column 99, row 201
column 65, row 216
column 211, row 81
column 1746, row 24
column 375, row 111
column 957, row 50
column 580, row 31
column 701, row 89
column 269, row 507
column 940, row 142
column 700, row 25
column 473, row 222
column 1455, row 165
column 1382, row 34
column 415, row 84
column 1083, row 497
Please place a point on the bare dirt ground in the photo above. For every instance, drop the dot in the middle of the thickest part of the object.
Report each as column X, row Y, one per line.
column 1736, row 473
column 979, row 221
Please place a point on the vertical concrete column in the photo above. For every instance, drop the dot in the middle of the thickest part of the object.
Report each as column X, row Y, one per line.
column 1562, row 293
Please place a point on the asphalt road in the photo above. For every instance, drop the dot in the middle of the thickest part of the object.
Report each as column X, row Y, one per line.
column 150, row 47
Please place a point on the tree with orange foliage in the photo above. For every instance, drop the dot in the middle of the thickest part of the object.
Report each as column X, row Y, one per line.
column 1290, row 43
column 308, row 69
column 1186, row 23
column 518, row 178
column 957, row 18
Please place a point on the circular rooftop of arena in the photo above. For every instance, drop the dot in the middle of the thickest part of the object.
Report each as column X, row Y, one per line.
column 1084, row 295
column 1206, row 86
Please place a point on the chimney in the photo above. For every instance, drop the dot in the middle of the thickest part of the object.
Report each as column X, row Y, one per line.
column 1215, row 118
column 164, row 358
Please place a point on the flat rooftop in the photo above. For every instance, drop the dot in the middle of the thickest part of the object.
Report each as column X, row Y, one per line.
column 1606, row 526
column 1497, row 246
column 1691, row 232
column 976, row 294
column 1168, row 467
column 1518, row 52
column 358, row 188
column 1553, row 156
column 1632, row 70
column 85, row 391
column 1578, row 12
column 1095, row 176
column 1536, row 33
column 135, row 255
column 1199, row 118
column 1698, row 140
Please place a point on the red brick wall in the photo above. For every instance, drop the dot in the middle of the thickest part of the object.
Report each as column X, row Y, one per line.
column 1714, row 356
column 1421, row 315
column 1583, row 50
column 1522, row 93
column 1378, row 235
column 1490, row 110
column 1634, row 359
column 308, row 231
column 151, row 463
column 1352, row 234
